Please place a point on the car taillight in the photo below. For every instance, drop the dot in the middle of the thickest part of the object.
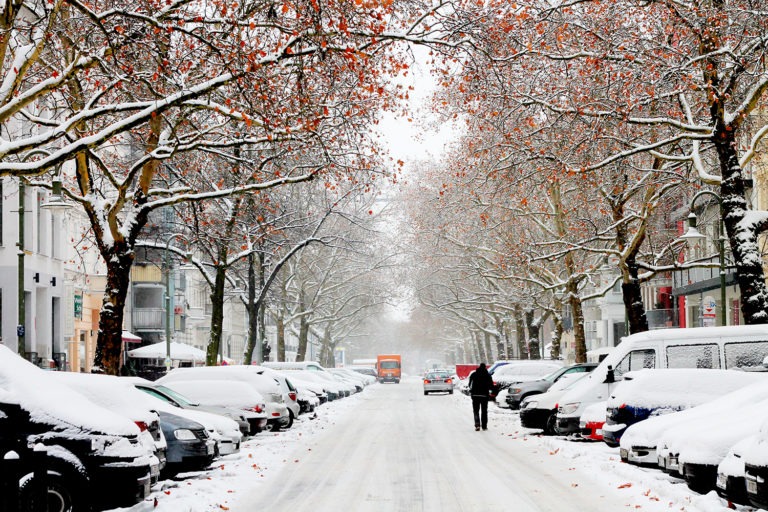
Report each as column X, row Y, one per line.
column 623, row 406
column 142, row 426
column 448, row 381
column 257, row 408
column 494, row 383
column 426, row 381
column 555, row 406
column 292, row 396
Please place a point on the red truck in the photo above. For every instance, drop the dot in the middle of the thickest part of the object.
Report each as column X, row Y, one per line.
column 388, row 367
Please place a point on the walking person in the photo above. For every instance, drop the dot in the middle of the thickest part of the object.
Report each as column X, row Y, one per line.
column 480, row 385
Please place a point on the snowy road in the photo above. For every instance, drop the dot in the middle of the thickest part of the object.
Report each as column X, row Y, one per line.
column 402, row 451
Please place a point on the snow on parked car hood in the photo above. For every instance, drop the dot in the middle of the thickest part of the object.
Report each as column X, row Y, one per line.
column 49, row 401
column 225, row 393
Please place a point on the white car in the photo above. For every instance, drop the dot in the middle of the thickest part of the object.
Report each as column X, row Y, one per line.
column 277, row 411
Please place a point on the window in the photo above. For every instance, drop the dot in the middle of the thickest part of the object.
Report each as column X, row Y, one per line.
column 693, row 356
column 146, row 297
column 636, row 360
column 745, row 354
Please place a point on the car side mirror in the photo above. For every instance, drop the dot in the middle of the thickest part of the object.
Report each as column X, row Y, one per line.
column 610, row 376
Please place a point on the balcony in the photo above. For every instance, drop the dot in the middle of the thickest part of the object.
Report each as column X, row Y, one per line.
column 148, row 319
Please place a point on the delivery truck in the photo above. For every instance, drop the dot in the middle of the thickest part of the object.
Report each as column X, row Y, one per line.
column 388, row 367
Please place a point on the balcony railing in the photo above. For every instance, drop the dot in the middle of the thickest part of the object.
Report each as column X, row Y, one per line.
column 148, row 319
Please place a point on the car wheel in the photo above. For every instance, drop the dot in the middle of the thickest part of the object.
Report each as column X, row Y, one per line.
column 290, row 419
column 550, row 427
column 66, row 493
column 450, row 391
column 426, row 393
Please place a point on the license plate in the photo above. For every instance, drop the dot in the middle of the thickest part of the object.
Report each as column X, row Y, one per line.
column 722, row 481
column 623, row 453
column 751, row 487
column 210, row 447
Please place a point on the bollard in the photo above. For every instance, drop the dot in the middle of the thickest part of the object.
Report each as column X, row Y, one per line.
column 40, row 479
column 10, row 472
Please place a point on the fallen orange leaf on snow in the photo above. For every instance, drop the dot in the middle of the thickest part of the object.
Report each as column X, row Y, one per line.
column 624, row 486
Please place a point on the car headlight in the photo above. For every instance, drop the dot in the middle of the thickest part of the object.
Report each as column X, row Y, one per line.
column 184, row 434
column 515, row 391
column 529, row 404
column 568, row 408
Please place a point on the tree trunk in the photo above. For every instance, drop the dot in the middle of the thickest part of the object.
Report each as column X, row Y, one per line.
column 557, row 337
column 487, row 346
column 109, row 344
column 579, row 337
column 217, row 318
column 280, row 332
column 743, row 238
column 301, row 352
column 534, row 343
column 252, row 308
column 633, row 299
column 478, row 340
column 522, row 348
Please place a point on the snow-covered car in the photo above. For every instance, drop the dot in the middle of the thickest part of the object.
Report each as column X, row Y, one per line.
column 190, row 447
column 250, row 422
column 756, row 469
column 438, row 382
column 661, row 391
column 501, row 399
column 517, row 391
column 539, row 411
column 700, row 447
column 278, row 415
column 592, row 421
column 331, row 389
column 118, row 396
column 224, row 393
column 730, row 482
column 95, row 458
column 643, row 444
column 503, row 376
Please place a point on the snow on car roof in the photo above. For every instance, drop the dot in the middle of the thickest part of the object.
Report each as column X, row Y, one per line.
column 678, row 387
column 110, row 392
column 226, row 393
column 647, row 433
column 48, row 401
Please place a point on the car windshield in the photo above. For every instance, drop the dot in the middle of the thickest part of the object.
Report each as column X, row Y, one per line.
column 437, row 375
column 388, row 365
column 177, row 396
column 552, row 377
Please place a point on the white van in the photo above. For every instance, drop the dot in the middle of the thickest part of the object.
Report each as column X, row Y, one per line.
column 741, row 346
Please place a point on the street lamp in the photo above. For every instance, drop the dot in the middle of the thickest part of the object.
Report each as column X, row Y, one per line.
column 693, row 236
column 169, row 298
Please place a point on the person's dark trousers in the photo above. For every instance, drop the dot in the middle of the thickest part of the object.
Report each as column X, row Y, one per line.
column 480, row 410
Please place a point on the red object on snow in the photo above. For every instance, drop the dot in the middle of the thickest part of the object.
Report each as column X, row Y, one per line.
column 593, row 431
column 463, row 370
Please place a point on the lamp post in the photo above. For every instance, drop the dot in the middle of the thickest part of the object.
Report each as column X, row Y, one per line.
column 169, row 298
column 694, row 235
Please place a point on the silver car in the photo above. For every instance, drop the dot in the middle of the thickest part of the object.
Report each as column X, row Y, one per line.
column 438, row 381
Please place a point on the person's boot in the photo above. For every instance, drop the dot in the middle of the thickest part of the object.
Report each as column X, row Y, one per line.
column 477, row 428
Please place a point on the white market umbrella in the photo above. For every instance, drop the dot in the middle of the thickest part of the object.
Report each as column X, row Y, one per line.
column 179, row 351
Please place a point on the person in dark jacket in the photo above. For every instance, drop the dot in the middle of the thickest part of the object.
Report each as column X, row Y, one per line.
column 480, row 385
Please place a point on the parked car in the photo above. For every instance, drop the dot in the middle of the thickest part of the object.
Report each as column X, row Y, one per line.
column 278, row 415
column 592, row 421
column 288, row 388
column 731, row 484
column 223, row 393
column 518, row 371
column 365, row 370
column 539, row 411
column 118, row 396
column 438, row 381
column 96, row 461
column 698, row 447
column 643, row 443
column 517, row 391
column 661, row 391
column 741, row 346
column 756, row 469
column 331, row 389
column 190, row 448
column 249, row 422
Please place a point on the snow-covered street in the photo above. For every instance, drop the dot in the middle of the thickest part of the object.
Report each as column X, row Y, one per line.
column 392, row 449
